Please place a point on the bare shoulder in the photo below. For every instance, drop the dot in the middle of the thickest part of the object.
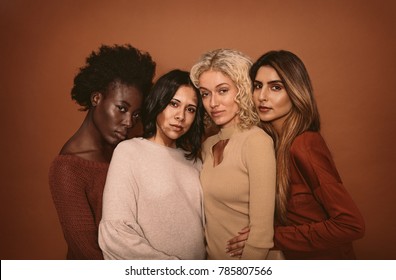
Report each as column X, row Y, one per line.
column 82, row 150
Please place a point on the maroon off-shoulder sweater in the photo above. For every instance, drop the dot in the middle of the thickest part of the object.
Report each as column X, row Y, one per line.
column 77, row 187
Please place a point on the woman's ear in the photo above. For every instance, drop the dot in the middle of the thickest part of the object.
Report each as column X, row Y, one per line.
column 96, row 98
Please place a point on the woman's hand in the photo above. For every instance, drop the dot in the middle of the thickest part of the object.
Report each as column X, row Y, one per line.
column 236, row 244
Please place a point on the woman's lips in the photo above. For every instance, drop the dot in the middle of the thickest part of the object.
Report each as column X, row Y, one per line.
column 121, row 135
column 264, row 109
column 215, row 114
column 177, row 127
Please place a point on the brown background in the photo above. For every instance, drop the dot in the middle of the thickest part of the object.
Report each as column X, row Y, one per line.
column 348, row 47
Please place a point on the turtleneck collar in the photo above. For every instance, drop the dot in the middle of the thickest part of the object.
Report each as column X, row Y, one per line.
column 227, row 132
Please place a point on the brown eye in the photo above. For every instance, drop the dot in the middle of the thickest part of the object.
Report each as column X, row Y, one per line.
column 136, row 115
column 223, row 90
column 191, row 109
column 204, row 94
column 173, row 103
column 257, row 86
column 276, row 88
column 122, row 109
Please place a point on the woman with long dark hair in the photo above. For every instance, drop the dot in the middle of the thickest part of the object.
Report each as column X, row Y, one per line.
column 316, row 218
column 152, row 202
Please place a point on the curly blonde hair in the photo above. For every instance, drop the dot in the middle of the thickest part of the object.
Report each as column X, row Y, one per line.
column 235, row 65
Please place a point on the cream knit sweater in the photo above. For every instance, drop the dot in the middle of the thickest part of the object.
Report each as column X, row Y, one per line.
column 152, row 204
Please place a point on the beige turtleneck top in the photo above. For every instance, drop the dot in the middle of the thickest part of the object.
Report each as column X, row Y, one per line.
column 239, row 192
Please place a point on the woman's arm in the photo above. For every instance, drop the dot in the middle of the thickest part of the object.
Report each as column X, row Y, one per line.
column 260, row 161
column 344, row 223
column 67, row 185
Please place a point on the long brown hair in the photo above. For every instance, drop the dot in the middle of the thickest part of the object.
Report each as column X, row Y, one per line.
column 304, row 116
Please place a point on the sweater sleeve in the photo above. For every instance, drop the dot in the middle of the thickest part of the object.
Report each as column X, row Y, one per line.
column 260, row 162
column 120, row 236
column 67, row 185
column 344, row 222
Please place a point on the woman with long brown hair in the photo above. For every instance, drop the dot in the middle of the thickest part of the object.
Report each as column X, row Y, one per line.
column 316, row 218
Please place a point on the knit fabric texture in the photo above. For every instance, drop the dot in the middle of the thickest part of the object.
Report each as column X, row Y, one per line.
column 77, row 186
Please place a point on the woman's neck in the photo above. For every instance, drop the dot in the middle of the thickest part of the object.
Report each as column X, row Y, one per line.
column 88, row 143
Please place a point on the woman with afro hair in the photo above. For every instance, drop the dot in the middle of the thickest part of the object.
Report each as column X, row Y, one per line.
column 110, row 88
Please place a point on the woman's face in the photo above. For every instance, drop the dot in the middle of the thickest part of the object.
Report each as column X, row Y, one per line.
column 270, row 97
column 218, row 93
column 176, row 119
column 115, row 112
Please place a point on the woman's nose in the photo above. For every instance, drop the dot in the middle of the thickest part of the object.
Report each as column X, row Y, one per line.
column 179, row 115
column 127, row 121
column 213, row 101
column 263, row 95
